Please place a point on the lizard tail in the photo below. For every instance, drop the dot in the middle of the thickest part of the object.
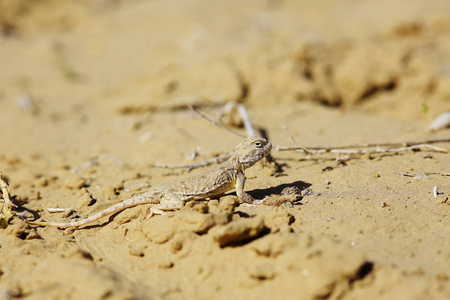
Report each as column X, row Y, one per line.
column 138, row 200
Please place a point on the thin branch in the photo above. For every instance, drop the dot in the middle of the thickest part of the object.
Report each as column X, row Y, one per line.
column 5, row 192
column 435, row 191
column 365, row 151
column 97, row 160
column 411, row 174
column 293, row 140
column 215, row 160
column 402, row 146
column 214, row 122
column 60, row 210
column 246, row 119
column 221, row 158
column 6, row 206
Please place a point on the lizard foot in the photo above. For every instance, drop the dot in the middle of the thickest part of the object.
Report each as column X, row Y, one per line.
column 245, row 197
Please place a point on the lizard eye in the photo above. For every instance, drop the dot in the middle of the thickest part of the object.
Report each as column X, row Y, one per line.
column 258, row 144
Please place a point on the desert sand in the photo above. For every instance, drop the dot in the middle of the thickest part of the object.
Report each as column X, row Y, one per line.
column 94, row 93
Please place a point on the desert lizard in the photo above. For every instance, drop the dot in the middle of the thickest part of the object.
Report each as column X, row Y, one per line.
column 210, row 183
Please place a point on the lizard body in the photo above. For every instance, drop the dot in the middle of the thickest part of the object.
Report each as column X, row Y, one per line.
column 210, row 183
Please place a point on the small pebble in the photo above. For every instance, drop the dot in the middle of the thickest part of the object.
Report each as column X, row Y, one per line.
column 74, row 182
column 84, row 201
column 41, row 182
column 136, row 251
column 262, row 272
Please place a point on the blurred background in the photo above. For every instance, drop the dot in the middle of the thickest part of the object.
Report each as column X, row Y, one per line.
column 386, row 57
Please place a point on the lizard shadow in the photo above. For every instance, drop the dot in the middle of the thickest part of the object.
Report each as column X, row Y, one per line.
column 261, row 193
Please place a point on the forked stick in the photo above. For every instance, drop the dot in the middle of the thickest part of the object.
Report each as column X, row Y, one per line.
column 221, row 158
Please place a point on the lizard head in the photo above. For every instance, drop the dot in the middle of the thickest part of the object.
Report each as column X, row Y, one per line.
column 251, row 150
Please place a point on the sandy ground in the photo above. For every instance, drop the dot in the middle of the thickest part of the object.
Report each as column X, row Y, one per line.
column 93, row 93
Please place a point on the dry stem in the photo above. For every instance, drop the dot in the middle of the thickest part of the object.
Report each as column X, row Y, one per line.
column 201, row 114
column 215, row 160
column 411, row 174
column 6, row 207
column 380, row 147
column 221, row 158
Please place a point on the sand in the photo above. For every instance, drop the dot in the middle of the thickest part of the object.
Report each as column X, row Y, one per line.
column 93, row 93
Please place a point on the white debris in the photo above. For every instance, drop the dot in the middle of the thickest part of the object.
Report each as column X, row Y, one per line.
column 441, row 122
column 435, row 191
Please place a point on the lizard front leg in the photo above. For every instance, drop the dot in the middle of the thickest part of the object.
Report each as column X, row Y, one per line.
column 240, row 182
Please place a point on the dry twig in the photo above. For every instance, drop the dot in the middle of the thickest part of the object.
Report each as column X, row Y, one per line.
column 412, row 174
column 250, row 130
column 246, row 119
column 293, row 141
column 435, row 191
column 5, row 191
column 59, row 210
column 221, row 158
column 215, row 160
column 6, row 207
column 201, row 114
column 97, row 160
column 379, row 148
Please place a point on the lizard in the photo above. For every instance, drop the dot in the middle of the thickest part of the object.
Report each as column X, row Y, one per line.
column 173, row 195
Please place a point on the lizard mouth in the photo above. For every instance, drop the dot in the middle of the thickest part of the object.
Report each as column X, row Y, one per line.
column 257, row 157
column 267, row 148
